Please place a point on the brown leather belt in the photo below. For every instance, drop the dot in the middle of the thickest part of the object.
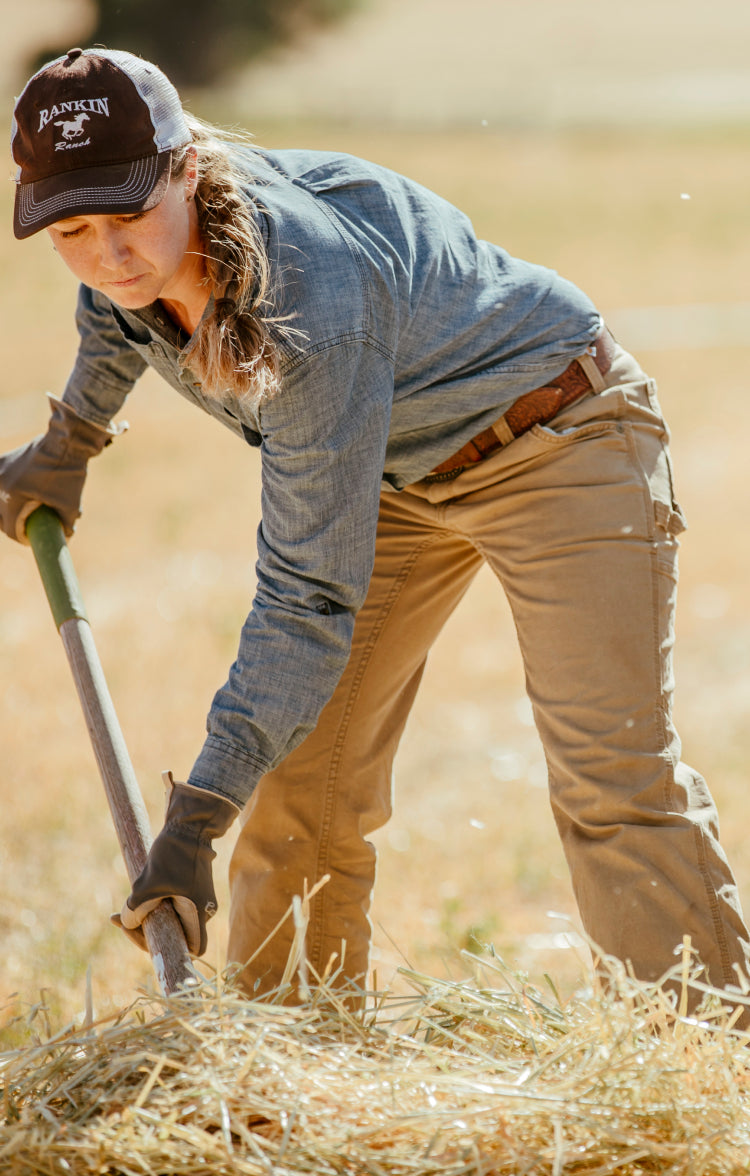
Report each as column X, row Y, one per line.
column 533, row 408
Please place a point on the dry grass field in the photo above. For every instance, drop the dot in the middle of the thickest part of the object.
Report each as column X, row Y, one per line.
column 165, row 555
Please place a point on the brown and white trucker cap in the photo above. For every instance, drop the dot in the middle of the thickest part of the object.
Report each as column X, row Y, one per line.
column 93, row 132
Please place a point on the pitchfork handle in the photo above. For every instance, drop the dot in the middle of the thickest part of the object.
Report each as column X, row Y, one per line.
column 162, row 928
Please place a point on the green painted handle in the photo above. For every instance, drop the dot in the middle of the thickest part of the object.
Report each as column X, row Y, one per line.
column 47, row 538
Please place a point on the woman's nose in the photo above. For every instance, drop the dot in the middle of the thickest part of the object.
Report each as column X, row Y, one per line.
column 113, row 249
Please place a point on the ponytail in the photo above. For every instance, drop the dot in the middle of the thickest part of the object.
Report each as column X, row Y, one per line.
column 231, row 349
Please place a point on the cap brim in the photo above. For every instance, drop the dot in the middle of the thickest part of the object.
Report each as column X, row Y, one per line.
column 107, row 190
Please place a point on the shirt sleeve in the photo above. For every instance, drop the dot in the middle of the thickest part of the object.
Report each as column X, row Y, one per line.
column 323, row 451
column 106, row 366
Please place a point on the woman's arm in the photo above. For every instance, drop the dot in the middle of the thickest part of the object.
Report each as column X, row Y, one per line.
column 323, row 450
column 106, row 367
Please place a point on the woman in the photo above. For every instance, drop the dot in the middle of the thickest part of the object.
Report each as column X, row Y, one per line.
column 422, row 402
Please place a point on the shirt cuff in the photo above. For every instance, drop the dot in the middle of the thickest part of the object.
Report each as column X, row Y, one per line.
column 228, row 771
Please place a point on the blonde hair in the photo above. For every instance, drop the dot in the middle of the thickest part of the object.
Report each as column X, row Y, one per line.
column 231, row 349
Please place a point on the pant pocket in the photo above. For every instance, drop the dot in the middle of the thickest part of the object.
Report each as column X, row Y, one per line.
column 670, row 518
column 669, row 525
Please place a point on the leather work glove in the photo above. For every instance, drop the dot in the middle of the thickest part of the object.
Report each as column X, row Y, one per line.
column 179, row 865
column 50, row 470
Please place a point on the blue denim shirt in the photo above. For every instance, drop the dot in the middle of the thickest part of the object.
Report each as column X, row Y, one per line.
column 411, row 335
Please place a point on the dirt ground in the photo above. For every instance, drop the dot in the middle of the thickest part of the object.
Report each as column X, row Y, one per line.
column 165, row 556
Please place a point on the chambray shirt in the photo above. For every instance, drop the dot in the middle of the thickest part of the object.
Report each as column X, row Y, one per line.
column 409, row 336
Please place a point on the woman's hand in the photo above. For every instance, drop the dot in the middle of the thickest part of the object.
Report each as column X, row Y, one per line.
column 50, row 470
column 179, row 865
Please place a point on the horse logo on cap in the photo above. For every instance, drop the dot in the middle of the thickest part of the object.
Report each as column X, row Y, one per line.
column 72, row 128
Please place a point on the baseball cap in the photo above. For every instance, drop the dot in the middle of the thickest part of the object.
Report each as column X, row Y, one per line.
column 93, row 132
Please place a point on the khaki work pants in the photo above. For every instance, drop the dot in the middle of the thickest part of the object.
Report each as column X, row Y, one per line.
column 578, row 522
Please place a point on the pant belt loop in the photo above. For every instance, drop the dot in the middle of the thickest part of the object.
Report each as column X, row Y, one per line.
column 502, row 431
column 596, row 379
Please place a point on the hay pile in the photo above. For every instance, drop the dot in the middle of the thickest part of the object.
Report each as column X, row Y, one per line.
column 459, row 1078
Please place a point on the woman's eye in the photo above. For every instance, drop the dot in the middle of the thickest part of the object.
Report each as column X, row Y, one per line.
column 66, row 234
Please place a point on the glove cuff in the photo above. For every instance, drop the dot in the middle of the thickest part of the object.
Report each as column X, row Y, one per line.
column 87, row 438
column 205, row 814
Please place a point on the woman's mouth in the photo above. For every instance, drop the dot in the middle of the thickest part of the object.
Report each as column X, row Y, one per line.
column 124, row 283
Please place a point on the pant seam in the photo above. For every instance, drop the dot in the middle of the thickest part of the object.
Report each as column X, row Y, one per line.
column 317, row 919
column 669, row 785
column 713, row 904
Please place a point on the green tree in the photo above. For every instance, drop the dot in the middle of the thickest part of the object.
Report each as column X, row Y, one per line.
column 198, row 42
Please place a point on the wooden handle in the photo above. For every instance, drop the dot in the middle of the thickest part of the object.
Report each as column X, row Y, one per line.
column 162, row 928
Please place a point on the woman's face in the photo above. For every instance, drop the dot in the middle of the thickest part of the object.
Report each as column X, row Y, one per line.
column 137, row 257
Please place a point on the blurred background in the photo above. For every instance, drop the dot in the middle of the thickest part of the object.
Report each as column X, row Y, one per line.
column 607, row 141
